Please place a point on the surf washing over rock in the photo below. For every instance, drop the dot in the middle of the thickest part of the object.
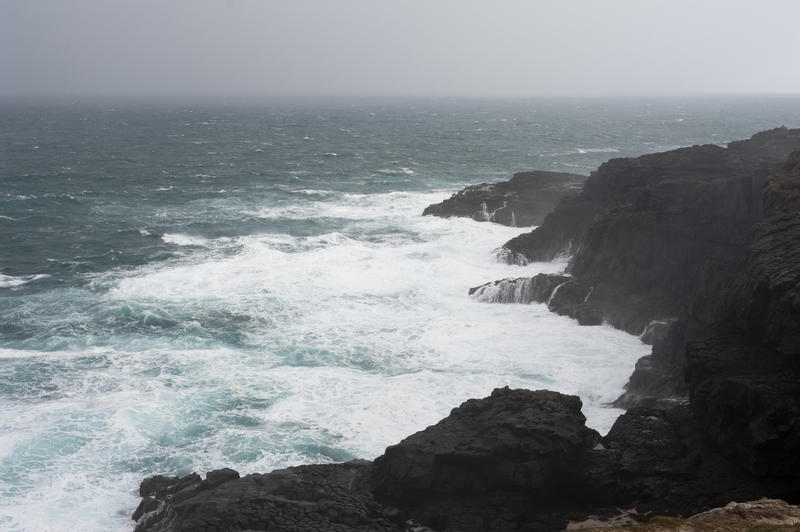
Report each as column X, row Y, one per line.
column 225, row 292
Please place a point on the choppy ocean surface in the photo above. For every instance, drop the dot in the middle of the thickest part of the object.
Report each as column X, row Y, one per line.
column 188, row 286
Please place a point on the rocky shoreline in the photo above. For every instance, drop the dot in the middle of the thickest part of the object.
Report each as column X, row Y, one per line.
column 523, row 200
column 698, row 251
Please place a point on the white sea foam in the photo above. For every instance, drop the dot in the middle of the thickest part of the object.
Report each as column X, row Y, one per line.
column 403, row 170
column 187, row 240
column 9, row 281
column 357, row 343
column 598, row 150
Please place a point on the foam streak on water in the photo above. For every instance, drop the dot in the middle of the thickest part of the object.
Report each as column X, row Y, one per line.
column 343, row 346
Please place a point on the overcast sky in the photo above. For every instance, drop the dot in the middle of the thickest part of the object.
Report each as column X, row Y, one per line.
column 438, row 47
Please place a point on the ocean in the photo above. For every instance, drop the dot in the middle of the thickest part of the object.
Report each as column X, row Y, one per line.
column 186, row 286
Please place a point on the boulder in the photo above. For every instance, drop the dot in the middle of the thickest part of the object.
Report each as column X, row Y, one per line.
column 298, row 499
column 524, row 200
column 513, row 439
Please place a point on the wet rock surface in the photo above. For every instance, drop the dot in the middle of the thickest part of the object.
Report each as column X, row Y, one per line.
column 747, row 396
column 298, row 499
column 524, row 200
column 524, row 290
column 514, row 439
column 766, row 300
column 667, row 236
column 659, row 183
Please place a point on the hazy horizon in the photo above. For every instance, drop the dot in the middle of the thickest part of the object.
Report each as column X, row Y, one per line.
column 313, row 49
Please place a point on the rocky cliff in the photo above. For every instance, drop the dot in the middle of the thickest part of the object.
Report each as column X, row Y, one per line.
column 662, row 185
column 524, row 200
column 744, row 372
column 660, row 239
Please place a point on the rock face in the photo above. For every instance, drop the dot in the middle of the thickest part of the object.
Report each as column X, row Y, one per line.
column 766, row 302
column 659, row 185
column 297, row 499
column 663, row 230
column 747, row 396
column 744, row 373
column 524, row 200
column 536, row 289
column 663, row 237
column 514, row 439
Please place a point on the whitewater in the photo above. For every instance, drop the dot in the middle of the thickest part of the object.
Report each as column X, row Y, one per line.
column 254, row 287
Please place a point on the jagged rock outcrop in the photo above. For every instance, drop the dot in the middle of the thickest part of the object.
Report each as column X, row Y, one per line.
column 660, row 230
column 524, row 200
column 766, row 302
column 512, row 440
column 747, row 396
column 744, row 373
column 659, row 182
column 491, row 465
column 758, row 293
column 726, row 262
column 523, row 290
column 663, row 237
column 331, row 497
column 514, row 461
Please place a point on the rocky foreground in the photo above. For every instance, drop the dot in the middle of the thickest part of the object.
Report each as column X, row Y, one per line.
column 698, row 250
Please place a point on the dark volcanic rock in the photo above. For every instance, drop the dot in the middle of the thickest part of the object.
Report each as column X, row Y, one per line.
column 297, row 499
column 573, row 297
column 747, row 396
column 514, row 439
column 560, row 233
column 661, row 462
column 665, row 236
column 658, row 182
column 766, row 304
column 524, row 200
column 745, row 383
column 536, row 289
column 494, row 464
column 515, row 461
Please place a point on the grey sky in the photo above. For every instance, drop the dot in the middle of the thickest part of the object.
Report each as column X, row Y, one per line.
column 443, row 47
